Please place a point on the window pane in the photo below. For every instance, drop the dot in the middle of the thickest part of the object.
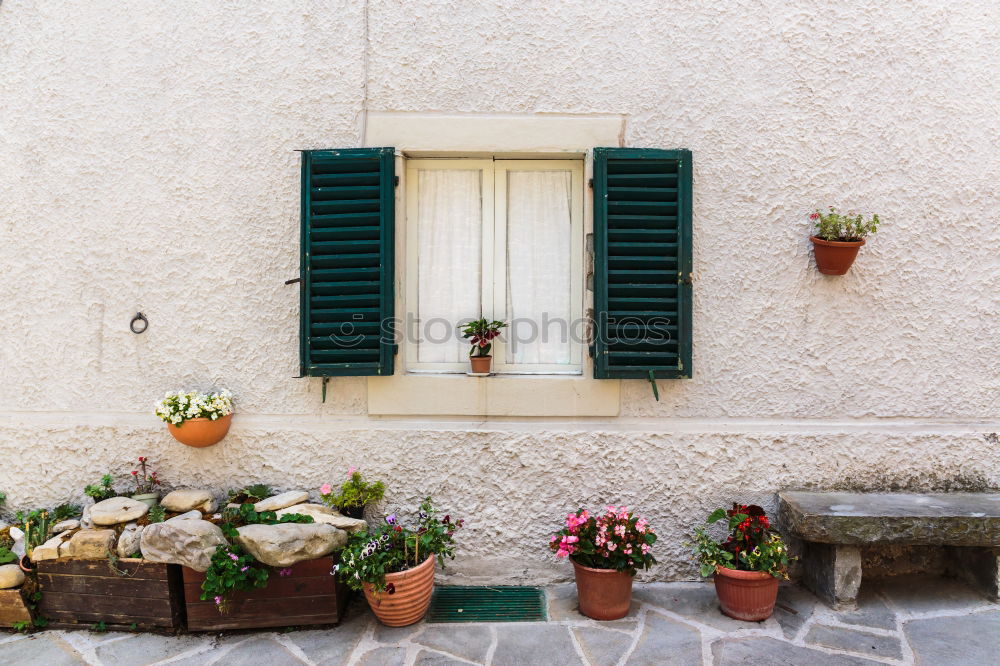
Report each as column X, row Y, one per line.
column 538, row 266
column 449, row 260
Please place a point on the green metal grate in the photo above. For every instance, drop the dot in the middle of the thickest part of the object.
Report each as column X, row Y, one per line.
column 466, row 603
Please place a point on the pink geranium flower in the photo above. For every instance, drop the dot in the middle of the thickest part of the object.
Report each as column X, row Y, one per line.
column 325, row 489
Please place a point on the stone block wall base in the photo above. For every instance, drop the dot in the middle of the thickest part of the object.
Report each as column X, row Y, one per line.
column 979, row 567
column 833, row 573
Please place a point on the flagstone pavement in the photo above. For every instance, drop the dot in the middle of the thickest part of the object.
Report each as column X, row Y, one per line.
column 902, row 620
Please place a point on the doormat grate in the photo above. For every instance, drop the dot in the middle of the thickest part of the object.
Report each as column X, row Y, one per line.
column 504, row 603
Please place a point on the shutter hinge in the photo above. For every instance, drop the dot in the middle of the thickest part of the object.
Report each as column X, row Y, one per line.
column 395, row 181
column 590, row 183
column 293, row 280
column 684, row 279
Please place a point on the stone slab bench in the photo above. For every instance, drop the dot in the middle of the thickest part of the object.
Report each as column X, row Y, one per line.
column 834, row 525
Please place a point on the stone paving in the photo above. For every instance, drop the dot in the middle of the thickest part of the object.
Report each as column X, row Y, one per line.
column 902, row 620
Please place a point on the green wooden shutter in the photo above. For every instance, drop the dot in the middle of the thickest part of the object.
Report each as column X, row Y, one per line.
column 347, row 262
column 642, row 263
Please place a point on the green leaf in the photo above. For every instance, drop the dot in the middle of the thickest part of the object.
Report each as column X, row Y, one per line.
column 716, row 515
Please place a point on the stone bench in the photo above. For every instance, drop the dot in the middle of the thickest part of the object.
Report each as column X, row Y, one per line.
column 834, row 525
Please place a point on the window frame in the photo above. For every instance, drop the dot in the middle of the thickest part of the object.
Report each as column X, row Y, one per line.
column 494, row 172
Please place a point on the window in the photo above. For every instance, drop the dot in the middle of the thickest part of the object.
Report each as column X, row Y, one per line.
column 500, row 238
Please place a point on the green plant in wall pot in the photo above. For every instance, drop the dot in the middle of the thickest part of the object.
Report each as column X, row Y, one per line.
column 838, row 237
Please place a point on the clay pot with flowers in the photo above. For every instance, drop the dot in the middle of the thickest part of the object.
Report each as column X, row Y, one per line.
column 197, row 419
column 394, row 564
column 606, row 551
column 146, row 484
column 480, row 334
column 838, row 237
column 747, row 563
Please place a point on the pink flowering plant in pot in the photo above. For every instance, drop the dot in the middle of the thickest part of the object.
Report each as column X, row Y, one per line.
column 606, row 550
column 354, row 494
column 480, row 333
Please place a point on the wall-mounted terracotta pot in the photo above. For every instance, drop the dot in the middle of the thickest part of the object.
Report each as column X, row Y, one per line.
column 835, row 257
column 604, row 594
column 481, row 364
column 201, row 432
column 410, row 599
column 746, row 595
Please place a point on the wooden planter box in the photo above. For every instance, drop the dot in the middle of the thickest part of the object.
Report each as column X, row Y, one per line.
column 310, row 595
column 79, row 593
column 12, row 608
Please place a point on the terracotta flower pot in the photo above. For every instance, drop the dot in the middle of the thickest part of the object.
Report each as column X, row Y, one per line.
column 27, row 566
column 835, row 257
column 411, row 598
column 746, row 595
column 481, row 364
column 201, row 432
column 604, row 594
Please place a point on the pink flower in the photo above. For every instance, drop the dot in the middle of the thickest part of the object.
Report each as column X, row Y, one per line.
column 218, row 601
column 814, row 216
column 233, row 556
column 351, row 471
column 628, row 551
column 284, row 572
column 562, row 553
column 243, row 569
column 325, row 489
column 645, row 548
column 612, row 546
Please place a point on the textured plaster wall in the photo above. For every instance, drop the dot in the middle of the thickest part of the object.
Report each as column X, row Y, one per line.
column 147, row 163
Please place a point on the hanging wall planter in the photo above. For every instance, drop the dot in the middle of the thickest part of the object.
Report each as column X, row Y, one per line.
column 197, row 419
column 838, row 238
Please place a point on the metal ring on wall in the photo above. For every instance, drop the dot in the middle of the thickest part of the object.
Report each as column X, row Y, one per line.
column 139, row 317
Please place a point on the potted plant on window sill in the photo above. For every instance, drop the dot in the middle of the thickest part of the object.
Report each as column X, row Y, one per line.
column 481, row 333
column 197, row 419
column 747, row 565
column 606, row 552
column 394, row 564
column 838, row 238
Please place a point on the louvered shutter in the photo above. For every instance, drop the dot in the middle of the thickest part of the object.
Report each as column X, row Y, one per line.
column 642, row 263
column 347, row 262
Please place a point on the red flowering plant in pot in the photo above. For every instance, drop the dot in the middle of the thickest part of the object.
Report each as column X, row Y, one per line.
column 838, row 237
column 606, row 551
column 747, row 564
column 481, row 333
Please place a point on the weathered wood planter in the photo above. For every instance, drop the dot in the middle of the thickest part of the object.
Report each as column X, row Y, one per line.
column 12, row 608
column 309, row 595
column 145, row 596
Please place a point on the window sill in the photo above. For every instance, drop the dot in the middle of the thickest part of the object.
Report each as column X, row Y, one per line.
column 514, row 395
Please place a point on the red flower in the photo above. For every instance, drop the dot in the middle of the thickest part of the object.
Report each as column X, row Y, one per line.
column 135, row 473
column 390, row 588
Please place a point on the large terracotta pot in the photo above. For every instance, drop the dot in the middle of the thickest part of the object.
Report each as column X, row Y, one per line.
column 411, row 598
column 201, row 432
column 481, row 364
column 835, row 257
column 604, row 594
column 746, row 595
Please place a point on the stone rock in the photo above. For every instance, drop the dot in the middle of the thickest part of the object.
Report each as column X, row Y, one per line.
column 65, row 526
column 10, row 576
column 964, row 639
column 211, row 506
column 190, row 515
column 284, row 545
column 129, row 540
column 190, row 543
column 18, row 536
column 767, row 650
column 50, row 549
column 281, row 501
column 833, row 573
column 85, row 519
column 186, row 500
column 850, row 640
column 117, row 510
column 324, row 514
column 90, row 544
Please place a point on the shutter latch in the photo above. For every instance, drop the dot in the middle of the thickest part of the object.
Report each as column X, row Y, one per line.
column 684, row 279
column 652, row 382
column 293, row 280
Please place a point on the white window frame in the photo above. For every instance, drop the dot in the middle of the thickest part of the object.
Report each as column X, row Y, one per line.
column 494, row 260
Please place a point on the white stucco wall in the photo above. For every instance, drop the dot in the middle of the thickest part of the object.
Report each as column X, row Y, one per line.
column 148, row 164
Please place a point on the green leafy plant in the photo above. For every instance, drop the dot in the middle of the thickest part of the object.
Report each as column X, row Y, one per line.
column 231, row 567
column 618, row 539
column 252, row 493
column 65, row 512
column 368, row 557
column 481, row 333
column 156, row 514
column 102, row 490
column 751, row 544
column 834, row 226
column 354, row 493
column 99, row 627
column 21, row 626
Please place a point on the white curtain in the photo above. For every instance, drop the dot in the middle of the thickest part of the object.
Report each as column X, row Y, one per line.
column 538, row 266
column 449, row 260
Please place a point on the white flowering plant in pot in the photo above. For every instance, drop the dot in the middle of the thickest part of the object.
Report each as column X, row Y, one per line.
column 196, row 419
